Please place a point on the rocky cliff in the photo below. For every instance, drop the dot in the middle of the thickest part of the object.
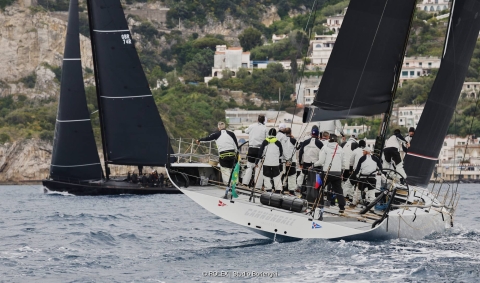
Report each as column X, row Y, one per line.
column 29, row 41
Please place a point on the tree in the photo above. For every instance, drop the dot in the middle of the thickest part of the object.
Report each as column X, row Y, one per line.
column 250, row 38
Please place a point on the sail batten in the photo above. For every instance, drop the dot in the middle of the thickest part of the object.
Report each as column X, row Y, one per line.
column 132, row 130
column 74, row 142
column 427, row 143
column 366, row 60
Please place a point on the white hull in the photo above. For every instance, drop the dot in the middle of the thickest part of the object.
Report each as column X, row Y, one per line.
column 284, row 225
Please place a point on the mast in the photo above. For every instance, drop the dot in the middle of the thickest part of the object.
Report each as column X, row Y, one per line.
column 380, row 140
column 97, row 87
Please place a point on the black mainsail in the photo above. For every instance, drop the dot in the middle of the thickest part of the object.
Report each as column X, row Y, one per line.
column 460, row 42
column 74, row 154
column 363, row 68
column 132, row 130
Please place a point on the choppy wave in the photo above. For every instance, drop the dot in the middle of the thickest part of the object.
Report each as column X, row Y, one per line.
column 168, row 238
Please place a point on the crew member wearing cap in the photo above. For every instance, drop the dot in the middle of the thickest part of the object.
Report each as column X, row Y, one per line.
column 309, row 154
column 333, row 162
column 271, row 151
column 408, row 138
column 257, row 133
column 227, row 148
column 366, row 166
column 350, row 145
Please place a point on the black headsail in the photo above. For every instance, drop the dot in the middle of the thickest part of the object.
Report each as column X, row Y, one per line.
column 363, row 68
column 460, row 42
column 132, row 130
column 75, row 154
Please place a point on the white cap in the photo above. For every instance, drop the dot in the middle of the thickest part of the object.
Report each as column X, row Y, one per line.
column 282, row 126
column 367, row 149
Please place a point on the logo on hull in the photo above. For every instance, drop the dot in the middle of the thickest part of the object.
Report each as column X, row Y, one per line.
column 316, row 225
column 220, row 203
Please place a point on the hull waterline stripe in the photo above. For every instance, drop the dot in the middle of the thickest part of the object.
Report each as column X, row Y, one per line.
column 422, row 156
column 71, row 59
column 82, row 165
column 113, row 30
column 125, row 96
column 69, row 121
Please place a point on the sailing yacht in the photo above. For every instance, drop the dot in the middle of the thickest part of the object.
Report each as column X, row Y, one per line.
column 131, row 128
column 360, row 80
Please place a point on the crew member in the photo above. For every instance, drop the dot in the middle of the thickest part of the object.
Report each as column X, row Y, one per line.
column 308, row 155
column 290, row 165
column 366, row 166
column 271, row 151
column 392, row 152
column 354, row 158
column 257, row 133
column 350, row 145
column 227, row 148
column 331, row 158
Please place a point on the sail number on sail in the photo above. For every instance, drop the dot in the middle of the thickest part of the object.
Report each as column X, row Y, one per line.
column 126, row 39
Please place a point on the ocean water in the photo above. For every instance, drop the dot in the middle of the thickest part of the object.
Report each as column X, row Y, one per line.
column 168, row 238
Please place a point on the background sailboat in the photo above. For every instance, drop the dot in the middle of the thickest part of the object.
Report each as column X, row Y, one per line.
column 132, row 130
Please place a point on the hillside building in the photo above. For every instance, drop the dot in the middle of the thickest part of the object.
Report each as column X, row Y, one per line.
column 232, row 58
column 434, row 6
column 407, row 116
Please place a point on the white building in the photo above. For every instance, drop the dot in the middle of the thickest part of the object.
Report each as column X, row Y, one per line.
column 307, row 90
column 232, row 58
column 434, row 6
column 278, row 38
column 470, row 89
column 414, row 67
column 321, row 48
column 355, row 129
column 334, row 23
column 407, row 116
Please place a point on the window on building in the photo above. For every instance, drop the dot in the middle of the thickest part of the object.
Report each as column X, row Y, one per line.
column 432, row 9
column 444, row 143
column 412, row 73
column 420, row 64
column 407, row 64
column 418, row 74
column 401, row 120
column 318, row 45
column 348, row 131
column 354, row 131
column 429, row 64
column 468, row 86
column 425, row 8
column 411, row 113
column 404, row 73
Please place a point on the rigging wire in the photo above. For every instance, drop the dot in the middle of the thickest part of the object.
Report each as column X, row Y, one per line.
column 466, row 145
